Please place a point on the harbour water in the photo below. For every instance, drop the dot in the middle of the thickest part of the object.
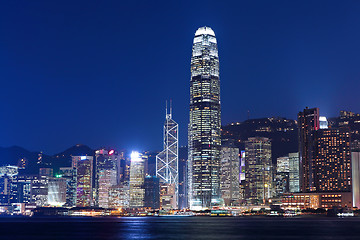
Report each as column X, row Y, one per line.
column 179, row 228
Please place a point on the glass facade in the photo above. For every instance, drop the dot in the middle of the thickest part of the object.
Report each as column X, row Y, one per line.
column 259, row 174
column 205, row 122
column 167, row 161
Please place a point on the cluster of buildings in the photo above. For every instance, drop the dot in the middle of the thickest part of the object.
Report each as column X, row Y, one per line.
column 216, row 173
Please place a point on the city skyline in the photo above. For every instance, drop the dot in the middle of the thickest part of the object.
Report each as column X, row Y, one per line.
column 62, row 72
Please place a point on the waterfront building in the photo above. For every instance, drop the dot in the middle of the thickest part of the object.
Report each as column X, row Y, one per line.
column 167, row 201
column 84, row 177
column 107, row 165
column 294, row 182
column 119, row 196
column 106, row 179
column 259, row 171
column 230, row 175
column 183, row 178
column 7, row 175
column 57, row 191
column 137, row 191
column 355, row 167
column 152, row 192
column 316, row 200
column 205, row 122
column 333, row 160
column 167, row 161
column 70, row 176
column 39, row 190
column 308, row 123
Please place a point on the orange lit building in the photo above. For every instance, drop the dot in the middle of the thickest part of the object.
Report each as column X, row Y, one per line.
column 325, row 200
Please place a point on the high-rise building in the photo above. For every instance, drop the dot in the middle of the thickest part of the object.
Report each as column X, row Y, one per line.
column 70, row 176
column 205, row 122
column 308, row 123
column 152, row 192
column 107, row 173
column 106, row 179
column 183, row 177
column 137, row 175
column 39, row 190
column 119, row 196
column 167, row 161
column 294, row 182
column 283, row 164
column 332, row 160
column 281, row 179
column 57, row 191
column 7, row 176
column 259, row 172
column 84, row 189
column 230, row 175
column 167, row 191
column 355, row 167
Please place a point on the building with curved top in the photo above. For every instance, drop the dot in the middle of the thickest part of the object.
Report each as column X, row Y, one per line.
column 205, row 122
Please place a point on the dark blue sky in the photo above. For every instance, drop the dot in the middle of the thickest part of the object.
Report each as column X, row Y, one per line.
column 99, row 72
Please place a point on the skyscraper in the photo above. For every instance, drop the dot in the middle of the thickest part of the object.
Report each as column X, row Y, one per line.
column 259, row 174
column 308, row 122
column 137, row 191
column 107, row 169
column 294, row 184
column 84, row 189
column 167, row 161
column 70, row 176
column 230, row 175
column 333, row 160
column 205, row 122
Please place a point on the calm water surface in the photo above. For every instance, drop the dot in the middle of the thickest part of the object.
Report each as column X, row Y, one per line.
column 179, row 228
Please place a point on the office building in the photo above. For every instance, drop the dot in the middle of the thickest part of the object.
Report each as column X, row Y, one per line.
column 106, row 179
column 152, row 192
column 119, row 196
column 355, row 167
column 259, row 171
column 39, row 190
column 57, row 191
column 84, row 179
column 167, row 161
column 230, row 175
column 205, row 122
column 107, row 165
column 167, row 201
column 333, row 160
column 294, row 181
column 137, row 191
column 308, row 123
column 70, row 176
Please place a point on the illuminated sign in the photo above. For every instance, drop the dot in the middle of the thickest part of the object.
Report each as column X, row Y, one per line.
column 83, row 158
column 111, row 152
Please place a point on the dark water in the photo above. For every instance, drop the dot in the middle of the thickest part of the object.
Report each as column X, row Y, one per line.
column 179, row 228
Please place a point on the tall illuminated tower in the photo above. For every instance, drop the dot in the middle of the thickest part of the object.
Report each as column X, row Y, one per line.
column 137, row 175
column 167, row 160
column 205, row 122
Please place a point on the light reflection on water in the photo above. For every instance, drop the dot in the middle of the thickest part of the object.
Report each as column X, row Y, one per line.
column 187, row 228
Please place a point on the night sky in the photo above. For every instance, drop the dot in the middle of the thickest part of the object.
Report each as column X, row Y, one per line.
column 99, row 72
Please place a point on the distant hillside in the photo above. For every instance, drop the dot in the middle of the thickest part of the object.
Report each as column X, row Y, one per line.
column 63, row 159
column 12, row 155
column 282, row 132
